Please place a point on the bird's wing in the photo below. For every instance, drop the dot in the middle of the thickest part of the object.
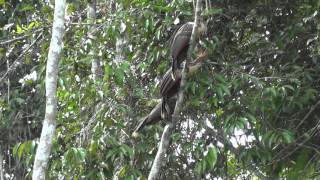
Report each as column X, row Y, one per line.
column 168, row 85
column 153, row 117
column 181, row 39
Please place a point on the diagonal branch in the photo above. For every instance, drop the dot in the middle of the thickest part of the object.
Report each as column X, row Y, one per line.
column 165, row 139
column 221, row 137
column 312, row 109
column 19, row 59
column 19, row 38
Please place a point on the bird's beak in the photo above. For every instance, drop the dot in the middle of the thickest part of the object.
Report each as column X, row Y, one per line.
column 135, row 134
column 173, row 76
column 203, row 28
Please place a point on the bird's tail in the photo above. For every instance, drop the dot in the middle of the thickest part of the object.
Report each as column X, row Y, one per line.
column 141, row 125
column 174, row 67
column 165, row 109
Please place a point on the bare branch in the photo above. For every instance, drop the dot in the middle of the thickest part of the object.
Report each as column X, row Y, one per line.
column 1, row 165
column 219, row 134
column 312, row 109
column 18, row 61
column 9, row 41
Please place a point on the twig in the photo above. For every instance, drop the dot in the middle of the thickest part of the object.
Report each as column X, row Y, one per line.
column 18, row 62
column 311, row 132
column 1, row 165
column 85, row 131
column 8, row 91
column 164, row 143
column 3, row 43
column 219, row 134
column 308, row 114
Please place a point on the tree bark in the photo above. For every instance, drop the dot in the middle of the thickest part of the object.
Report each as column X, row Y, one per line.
column 96, row 70
column 1, row 165
column 120, row 56
column 121, row 41
column 120, row 46
column 49, row 123
column 165, row 139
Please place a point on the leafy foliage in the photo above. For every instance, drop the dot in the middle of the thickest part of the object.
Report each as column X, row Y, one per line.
column 252, row 110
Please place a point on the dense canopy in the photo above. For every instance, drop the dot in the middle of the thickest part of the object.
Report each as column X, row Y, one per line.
column 251, row 111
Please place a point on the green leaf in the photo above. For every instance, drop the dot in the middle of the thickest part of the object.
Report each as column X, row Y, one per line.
column 211, row 157
column 219, row 112
column 220, row 78
column 271, row 90
column 225, row 89
column 219, row 92
column 19, row 29
column 296, row 172
column 21, row 150
column 208, row 162
column 27, row 8
column 211, row 11
column 15, row 149
column 123, row 171
column 289, row 87
column 288, row 136
column 81, row 154
column 193, row 88
column 251, row 118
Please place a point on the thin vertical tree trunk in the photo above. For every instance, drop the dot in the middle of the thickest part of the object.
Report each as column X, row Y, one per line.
column 165, row 138
column 120, row 56
column 49, row 123
column 1, row 165
column 96, row 69
column 120, row 46
column 95, row 63
column 121, row 42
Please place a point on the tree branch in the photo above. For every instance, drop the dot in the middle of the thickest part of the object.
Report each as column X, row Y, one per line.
column 1, row 165
column 9, row 41
column 219, row 134
column 165, row 139
column 312, row 109
column 18, row 62
column 49, row 123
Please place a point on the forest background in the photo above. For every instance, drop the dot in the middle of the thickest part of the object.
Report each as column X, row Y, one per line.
column 252, row 111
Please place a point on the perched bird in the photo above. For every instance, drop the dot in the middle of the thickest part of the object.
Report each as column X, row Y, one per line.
column 169, row 86
column 154, row 116
column 180, row 44
column 170, row 83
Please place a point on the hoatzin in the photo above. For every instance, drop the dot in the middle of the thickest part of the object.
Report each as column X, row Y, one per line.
column 168, row 90
column 171, row 81
column 154, row 116
column 169, row 87
column 180, row 44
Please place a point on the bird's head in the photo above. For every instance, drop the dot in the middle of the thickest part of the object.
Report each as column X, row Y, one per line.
column 135, row 134
column 202, row 29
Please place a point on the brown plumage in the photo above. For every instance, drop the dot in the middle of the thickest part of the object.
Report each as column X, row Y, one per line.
column 154, row 116
column 180, row 44
column 169, row 87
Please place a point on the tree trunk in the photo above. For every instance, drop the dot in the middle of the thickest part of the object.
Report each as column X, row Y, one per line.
column 49, row 123
column 1, row 165
column 95, row 62
column 120, row 56
column 121, row 42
